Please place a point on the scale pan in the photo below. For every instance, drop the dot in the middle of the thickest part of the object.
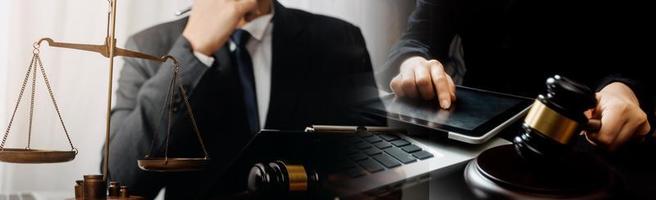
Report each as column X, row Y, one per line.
column 131, row 197
column 160, row 164
column 13, row 155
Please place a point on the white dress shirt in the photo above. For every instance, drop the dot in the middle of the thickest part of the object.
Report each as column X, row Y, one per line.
column 259, row 48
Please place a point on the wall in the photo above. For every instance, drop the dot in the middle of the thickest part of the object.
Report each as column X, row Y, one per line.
column 4, row 19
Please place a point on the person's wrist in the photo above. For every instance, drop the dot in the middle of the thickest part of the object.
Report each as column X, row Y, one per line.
column 198, row 44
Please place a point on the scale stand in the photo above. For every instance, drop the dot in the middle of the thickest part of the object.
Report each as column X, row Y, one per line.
column 108, row 50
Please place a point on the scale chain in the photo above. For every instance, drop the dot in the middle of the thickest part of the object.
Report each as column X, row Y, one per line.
column 20, row 96
column 190, row 112
column 169, row 102
column 54, row 102
column 29, row 132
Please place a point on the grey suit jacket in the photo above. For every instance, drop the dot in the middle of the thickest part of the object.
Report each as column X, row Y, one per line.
column 319, row 66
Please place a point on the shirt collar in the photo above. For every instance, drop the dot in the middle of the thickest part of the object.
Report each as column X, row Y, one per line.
column 257, row 28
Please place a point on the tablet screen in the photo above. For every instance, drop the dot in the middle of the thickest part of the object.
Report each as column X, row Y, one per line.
column 472, row 113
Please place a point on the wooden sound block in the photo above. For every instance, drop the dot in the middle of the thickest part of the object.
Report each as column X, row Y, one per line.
column 13, row 155
column 500, row 172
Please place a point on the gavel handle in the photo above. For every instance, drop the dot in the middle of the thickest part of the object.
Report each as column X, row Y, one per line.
column 593, row 125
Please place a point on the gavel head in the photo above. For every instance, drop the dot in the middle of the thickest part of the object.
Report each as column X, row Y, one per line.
column 554, row 119
column 280, row 180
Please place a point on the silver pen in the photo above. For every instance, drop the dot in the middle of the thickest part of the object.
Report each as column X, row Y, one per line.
column 351, row 129
column 183, row 11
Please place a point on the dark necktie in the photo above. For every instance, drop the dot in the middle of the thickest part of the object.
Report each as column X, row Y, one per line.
column 244, row 65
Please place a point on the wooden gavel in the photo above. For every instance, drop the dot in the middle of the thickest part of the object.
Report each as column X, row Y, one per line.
column 555, row 118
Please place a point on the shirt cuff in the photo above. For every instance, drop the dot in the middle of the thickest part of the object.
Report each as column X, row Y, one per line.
column 206, row 60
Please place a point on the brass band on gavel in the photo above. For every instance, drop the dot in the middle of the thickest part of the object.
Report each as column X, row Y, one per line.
column 550, row 123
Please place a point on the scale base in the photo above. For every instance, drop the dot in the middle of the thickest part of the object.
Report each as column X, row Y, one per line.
column 120, row 198
column 14, row 155
column 500, row 173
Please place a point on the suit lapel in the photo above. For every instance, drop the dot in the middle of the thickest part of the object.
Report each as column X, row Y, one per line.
column 289, row 68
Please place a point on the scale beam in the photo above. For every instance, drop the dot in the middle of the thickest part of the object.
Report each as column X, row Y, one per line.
column 104, row 50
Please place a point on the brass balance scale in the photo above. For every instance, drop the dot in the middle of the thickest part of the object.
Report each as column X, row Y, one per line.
column 108, row 50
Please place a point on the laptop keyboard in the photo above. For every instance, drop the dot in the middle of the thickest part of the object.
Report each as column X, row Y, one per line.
column 370, row 153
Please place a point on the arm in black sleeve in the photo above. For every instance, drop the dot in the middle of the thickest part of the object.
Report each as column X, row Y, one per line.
column 364, row 83
column 430, row 31
column 137, row 115
column 630, row 42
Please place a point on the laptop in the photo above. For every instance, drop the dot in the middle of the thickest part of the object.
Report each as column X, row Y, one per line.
column 370, row 163
column 372, row 160
column 359, row 164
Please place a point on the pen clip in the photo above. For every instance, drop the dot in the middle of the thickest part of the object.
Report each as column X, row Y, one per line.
column 183, row 11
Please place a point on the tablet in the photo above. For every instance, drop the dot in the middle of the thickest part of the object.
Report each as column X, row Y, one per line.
column 474, row 117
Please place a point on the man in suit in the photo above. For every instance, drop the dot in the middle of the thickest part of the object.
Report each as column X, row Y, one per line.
column 247, row 65
column 513, row 46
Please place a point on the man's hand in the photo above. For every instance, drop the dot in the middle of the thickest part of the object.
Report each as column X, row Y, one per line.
column 423, row 78
column 212, row 21
column 621, row 116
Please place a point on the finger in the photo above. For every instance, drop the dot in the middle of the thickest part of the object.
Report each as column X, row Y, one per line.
column 424, row 82
column 640, row 126
column 588, row 113
column 624, row 134
column 244, row 6
column 452, row 88
column 408, row 83
column 593, row 113
column 611, row 123
column 395, row 85
column 441, row 84
column 635, row 127
column 596, row 112
column 644, row 129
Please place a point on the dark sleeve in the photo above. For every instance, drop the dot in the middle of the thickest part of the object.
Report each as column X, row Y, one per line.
column 632, row 58
column 363, row 65
column 138, row 112
column 429, row 33
column 364, row 83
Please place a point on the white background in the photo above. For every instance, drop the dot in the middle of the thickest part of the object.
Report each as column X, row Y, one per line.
column 79, row 79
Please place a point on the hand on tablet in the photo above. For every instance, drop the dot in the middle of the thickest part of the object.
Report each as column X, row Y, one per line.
column 621, row 116
column 426, row 79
